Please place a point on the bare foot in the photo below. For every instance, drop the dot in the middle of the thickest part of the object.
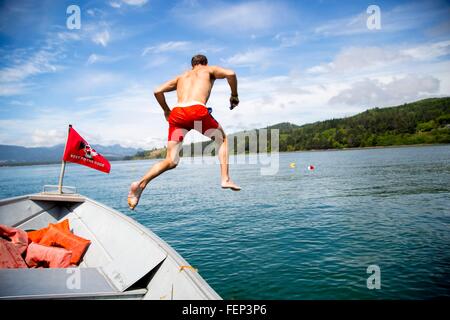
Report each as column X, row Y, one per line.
column 134, row 195
column 230, row 185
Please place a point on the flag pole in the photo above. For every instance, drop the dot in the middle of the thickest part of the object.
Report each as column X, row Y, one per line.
column 63, row 165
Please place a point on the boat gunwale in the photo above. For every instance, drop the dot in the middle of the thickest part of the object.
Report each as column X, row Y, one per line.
column 14, row 199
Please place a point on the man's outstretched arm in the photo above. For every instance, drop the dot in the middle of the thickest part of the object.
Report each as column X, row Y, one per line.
column 170, row 85
column 230, row 75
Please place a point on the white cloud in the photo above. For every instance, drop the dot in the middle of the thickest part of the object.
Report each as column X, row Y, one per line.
column 402, row 17
column 122, row 117
column 68, row 36
column 98, row 79
column 370, row 58
column 157, row 61
column 115, row 4
column 242, row 16
column 28, row 103
column 345, row 26
column 88, row 80
column 93, row 58
column 94, row 12
column 168, row 47
column 429, row 51
column 357, row 58
column 250, row 58
column 47, row 137
column 13, row 78
column 235, row 17
column 177, row 46
column 319, row 69
column 373, row 92
column 96, row 58
column 288, row 40
column 11, row 89
column 40, row 62
column 134, row 3
column 33, row 132
column 101, row 38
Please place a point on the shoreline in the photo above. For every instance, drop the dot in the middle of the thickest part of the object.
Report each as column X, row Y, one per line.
column 323, row 150
column 377, row 147
column 295, row 151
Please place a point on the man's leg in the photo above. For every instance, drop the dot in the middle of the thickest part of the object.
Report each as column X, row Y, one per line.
column 219, row 136
column 170, row 162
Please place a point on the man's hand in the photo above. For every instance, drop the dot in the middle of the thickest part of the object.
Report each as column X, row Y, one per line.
column 230, row 75
column 167, row 114
column 234, row 101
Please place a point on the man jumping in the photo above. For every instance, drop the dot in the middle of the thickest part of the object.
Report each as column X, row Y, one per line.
column 193, row 89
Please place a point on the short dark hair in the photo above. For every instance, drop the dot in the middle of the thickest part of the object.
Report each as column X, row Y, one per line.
column 199, row 59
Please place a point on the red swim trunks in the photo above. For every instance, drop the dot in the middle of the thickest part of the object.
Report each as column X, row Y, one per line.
column 184, row 119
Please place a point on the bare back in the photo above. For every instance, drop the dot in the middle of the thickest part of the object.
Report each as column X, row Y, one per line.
column 195, row 85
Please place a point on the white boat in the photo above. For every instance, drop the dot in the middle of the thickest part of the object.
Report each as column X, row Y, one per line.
column 125, row 260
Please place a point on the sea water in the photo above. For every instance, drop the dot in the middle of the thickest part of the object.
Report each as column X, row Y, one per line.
column 297, row 234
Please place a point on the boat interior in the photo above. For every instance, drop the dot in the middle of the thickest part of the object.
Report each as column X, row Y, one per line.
column 124, row 260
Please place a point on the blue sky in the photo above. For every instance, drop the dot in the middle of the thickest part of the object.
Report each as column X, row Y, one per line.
column 296, row 61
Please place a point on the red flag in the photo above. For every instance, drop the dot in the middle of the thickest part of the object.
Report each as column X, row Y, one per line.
column 79, row 151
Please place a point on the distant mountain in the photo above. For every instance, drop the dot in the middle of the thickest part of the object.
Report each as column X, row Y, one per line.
column 10, row 154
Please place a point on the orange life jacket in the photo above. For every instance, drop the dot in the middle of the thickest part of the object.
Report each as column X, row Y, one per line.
column 37, row 235
column 43, row 256
column 55, row 237
column 18, row 237
column 10, row 256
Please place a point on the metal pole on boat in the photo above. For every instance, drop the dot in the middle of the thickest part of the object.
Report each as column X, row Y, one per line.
column 63, row 166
